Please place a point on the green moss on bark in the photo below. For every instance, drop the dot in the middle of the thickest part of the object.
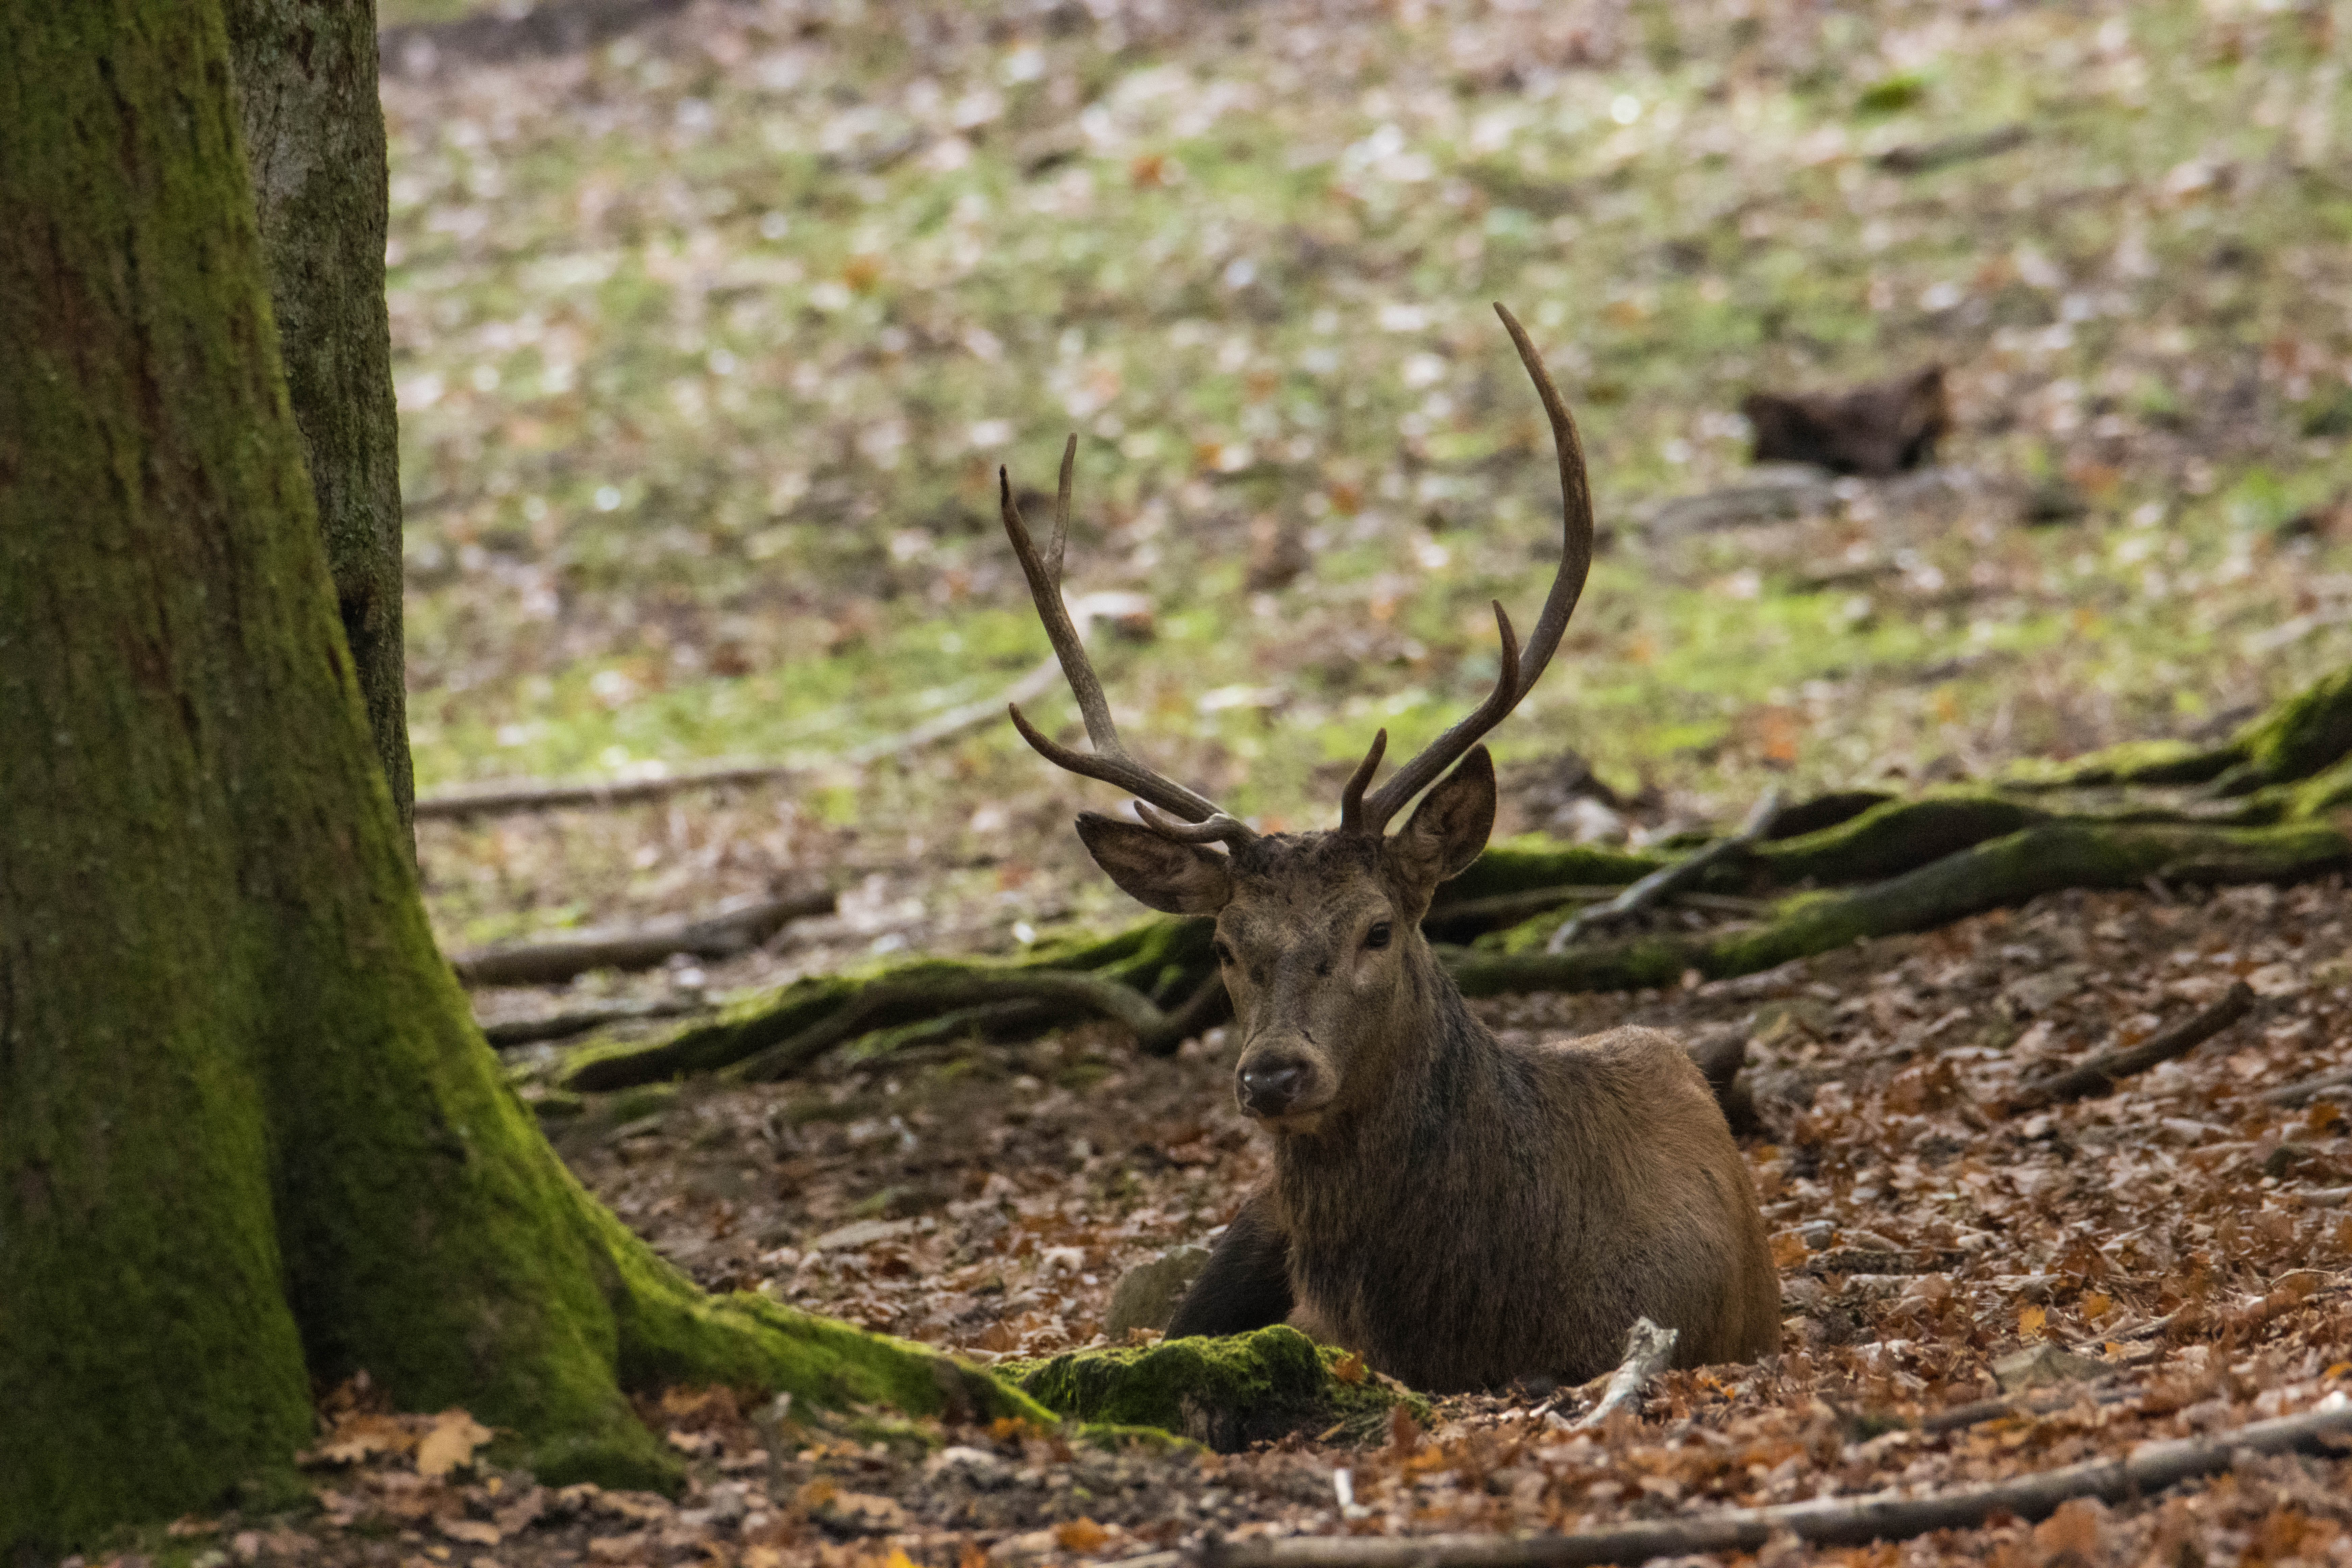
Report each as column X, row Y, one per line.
column 306, row 84
column 1159, row 958
column 1883, row 841
column 1530, row 861
column 1225, row 1393
column 2150, row 762
column 2297, row 738
column 2004, row 871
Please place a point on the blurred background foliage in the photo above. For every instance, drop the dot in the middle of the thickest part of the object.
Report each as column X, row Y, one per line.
column 710, row 331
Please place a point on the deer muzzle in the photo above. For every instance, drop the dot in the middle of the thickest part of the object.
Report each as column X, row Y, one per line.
column 1275, row 1084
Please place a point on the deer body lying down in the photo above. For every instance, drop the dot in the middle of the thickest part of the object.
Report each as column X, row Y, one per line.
column 1462, row 1211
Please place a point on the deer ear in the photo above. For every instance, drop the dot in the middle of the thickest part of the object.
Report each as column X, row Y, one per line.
column 1449, row 827
column 1180, row 879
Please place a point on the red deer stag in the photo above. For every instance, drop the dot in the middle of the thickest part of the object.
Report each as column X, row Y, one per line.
column 1461, row 1212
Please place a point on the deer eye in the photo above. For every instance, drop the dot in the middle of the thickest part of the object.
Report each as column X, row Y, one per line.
column 1225, row 954
column 1377, row 936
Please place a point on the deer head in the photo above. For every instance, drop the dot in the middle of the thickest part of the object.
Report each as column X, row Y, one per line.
column 1318, row 934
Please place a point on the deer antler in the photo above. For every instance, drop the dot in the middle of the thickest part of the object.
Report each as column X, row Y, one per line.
column 1519, row 672
column 1110, row 761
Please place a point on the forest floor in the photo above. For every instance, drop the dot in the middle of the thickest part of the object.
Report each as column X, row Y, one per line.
column 2189, row 1238
column 710, row 323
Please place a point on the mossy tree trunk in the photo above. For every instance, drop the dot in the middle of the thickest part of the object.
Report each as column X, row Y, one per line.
column 250, row 1140
column 306, row 81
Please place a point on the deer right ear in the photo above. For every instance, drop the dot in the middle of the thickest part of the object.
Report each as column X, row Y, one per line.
column 1178, row 879
column 1449, row 827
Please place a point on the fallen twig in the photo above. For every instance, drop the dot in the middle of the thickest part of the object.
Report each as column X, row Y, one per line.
column 539, row 794
column 2311, row 1088
column 1661, row 884
column 1648, row 1348
column 1918, row 157
column 2104, row 1071
column 1850, row 1521
column 723, row 934
column 2039, row 1402
column 571, row 1021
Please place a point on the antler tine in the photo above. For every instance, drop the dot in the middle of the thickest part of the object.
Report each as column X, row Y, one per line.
column 1576, row 512
column 1519, row 673
column 1351, row 799
column 1218, row 828
column 1110, row 761
column 1423, row 770
column 1061, row 509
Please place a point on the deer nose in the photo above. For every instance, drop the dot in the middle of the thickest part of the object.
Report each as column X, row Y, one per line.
column 1268, row 1088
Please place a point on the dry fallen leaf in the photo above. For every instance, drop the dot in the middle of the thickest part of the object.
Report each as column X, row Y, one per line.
column 1081, row 1535
column 2030, row 1321
column 470, row 1530
column 355, row 1437
column 2073, row 1537
column 1349, row 1368
column 450, row 1444
column 1788, row 1250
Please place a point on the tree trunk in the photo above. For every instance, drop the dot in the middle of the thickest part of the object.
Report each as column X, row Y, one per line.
column 306, row 81
column 250, row 1141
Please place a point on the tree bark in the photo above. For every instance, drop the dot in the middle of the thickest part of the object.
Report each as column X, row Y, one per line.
column 305, row 85
column 250, row 1140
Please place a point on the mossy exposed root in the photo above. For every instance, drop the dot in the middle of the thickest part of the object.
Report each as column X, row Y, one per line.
column 2259, row 811
column 1225, row 1393
column 2009, row 871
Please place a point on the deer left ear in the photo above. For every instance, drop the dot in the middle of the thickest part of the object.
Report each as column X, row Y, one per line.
column 1450, row 826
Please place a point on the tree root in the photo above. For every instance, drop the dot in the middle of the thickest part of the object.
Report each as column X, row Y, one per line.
column 1659, row 886
column 775, row 1035
column 2005, row 871
column 2266, row 811
column 1127, row 977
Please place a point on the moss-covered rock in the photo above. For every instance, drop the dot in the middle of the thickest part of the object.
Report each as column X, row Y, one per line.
column 1225, row 1393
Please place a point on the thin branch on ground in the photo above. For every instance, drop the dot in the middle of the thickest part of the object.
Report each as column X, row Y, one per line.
column 539, row 795
column 2104, row 1071
column 1648, row 1348
column 2036, row 1402
column 723, row 934
column 571, row 1021
column 1835, row 1521
column 1658, row 886
column 1918, row 157
column 2303, row 1093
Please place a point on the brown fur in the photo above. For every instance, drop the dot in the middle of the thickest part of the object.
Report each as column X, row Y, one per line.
column 1462, row 1211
